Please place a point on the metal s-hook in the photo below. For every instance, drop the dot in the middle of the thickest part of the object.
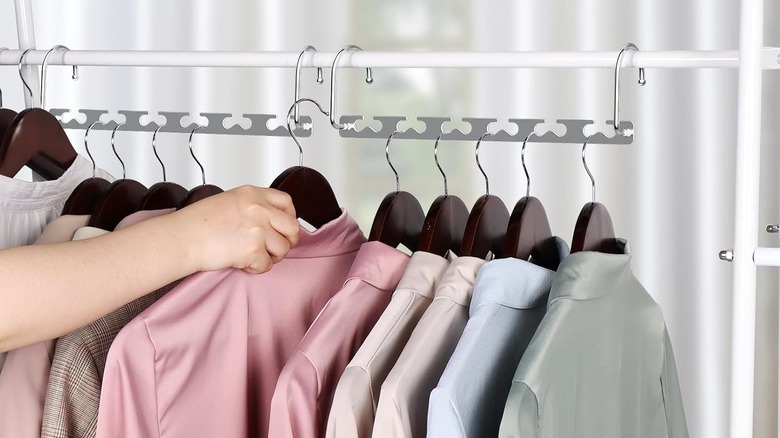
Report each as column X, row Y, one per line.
column 525, row 168
column 387, row 156
column 616, row 115
column 479, row 164
column 587, row 169
column 154, row 148
column 189, row 142
column 292, row 131
column 86, row 146
column 369, row 80
column 113, row 147
column 21, row 74
column 44, row 64
column 436, row 158
column 297, row 117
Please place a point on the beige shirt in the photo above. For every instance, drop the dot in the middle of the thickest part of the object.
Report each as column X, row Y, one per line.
column 357, row 393
column 23, row 380
column 403, row 402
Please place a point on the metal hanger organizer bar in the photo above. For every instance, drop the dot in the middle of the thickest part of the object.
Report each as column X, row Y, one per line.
column 218, row 123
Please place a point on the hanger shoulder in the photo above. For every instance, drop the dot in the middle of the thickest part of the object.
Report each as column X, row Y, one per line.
column 85, row 196
column 121, row 199
column 528, row 226
column 398, row 220
column 163, row 195
column 485, row 228
column 199, row 193
column 594, row 230
column 444, row 225
column 6, row 116
column 311, row 194
column 36, row 139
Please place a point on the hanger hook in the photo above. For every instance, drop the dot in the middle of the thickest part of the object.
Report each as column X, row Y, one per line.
column 74, row 76
column 154, row 148
column 189, row 142
column 525, row 168
column 369, row 80
column 297, row 118
column 436, row 158
column 21, row 74
column 2, row 49
column 292, row 131
column 387, row 156
column 616, row 115
column 113, row 147
column 479, row 164
column 587, row 169
column 86, row 146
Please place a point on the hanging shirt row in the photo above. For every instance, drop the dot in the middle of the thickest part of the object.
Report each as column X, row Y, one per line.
column 348, row 338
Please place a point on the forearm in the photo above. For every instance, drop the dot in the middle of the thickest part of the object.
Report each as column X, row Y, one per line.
column 50, row 290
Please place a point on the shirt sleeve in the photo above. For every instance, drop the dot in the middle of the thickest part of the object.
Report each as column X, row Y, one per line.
column 128, row 402
column 352, row 412
column 521, row 414
column 73, row 392
column 294, row 404
column 443, row 418
column 670, row 385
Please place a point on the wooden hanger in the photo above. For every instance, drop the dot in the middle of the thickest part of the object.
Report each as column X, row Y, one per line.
column 83, row 198
column 202, row 191
column 594, row 230
column 163, row 194
column 311, row 193
column 36, row 139
column 400, row 216
column 6, row 116
column 445, row 223
column 486, row 224
column 119, row 200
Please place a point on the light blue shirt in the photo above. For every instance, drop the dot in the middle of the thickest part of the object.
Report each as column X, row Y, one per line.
column 509, row 301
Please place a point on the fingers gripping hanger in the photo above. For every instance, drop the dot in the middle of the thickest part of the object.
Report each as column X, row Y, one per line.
column 594, row 230
column 204, row 190
column 163, row 194
column 400, row 216
column 528, row 233
column 445, row 222
column 36, row 139
column 119, row 200
column 311, row 193
column 6, row 115
column 486, row 225
column 84, row 197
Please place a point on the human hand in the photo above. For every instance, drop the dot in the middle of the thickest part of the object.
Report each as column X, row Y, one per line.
column 248, row 228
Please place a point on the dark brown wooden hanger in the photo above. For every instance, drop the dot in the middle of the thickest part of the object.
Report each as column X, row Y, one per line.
column 83, row 198
column 6, row 116
column 36, row 139
column 120, row 199
column 199, row 193
column 162, row 194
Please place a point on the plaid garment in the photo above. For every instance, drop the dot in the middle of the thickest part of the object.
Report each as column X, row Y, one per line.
column 73, row 394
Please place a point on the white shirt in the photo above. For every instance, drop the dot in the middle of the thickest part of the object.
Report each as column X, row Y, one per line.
column 26, row 207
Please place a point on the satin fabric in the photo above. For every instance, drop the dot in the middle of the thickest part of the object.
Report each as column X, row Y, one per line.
column 509, row 301
column 304, row 392
column 357, row 393
column 204, row 360
column 601, row 364
column 403, row 401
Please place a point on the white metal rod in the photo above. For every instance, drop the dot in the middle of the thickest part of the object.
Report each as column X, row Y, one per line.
column 604, row 59
column 743, row 330
column 766, row 256
column 25, row 32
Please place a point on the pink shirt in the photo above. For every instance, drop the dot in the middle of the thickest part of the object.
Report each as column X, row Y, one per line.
column 204, row 359
column 304, row 392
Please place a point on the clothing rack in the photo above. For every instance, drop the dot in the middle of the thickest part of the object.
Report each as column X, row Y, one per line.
column 751, row 60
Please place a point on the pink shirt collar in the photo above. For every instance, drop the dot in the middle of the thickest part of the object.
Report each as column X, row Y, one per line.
column 339, row 236
column 379, row 265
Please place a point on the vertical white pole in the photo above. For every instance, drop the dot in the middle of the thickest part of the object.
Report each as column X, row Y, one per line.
column 26, row 34
column 743, row 331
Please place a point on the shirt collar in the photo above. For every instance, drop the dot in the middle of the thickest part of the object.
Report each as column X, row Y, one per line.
column 62, row 229
column 457, row 283
column 516, row 283
column 423, row 273
column 589, row 275
column 88, row 233
column 339, row 236
column 379, row 265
